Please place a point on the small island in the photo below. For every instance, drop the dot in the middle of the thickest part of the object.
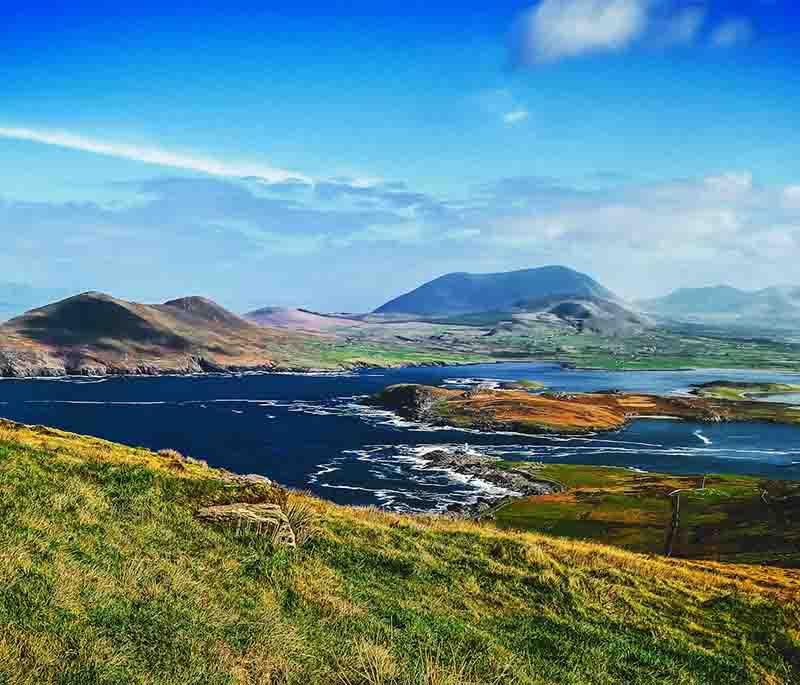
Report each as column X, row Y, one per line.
column 522, row 411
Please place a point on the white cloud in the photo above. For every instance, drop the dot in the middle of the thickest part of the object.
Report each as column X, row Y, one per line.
column 683, row 27
column 153, row 155
column 732, row 32
column 557, row 29
column 730, row 183
column 791, row 197
column 516, row 116
column 501, row 104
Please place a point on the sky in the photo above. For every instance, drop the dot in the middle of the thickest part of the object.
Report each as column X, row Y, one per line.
column 334, row 155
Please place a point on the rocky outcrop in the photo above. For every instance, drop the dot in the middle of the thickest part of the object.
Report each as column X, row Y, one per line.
column 463, row 462
column 409, row 401
column 488, row 469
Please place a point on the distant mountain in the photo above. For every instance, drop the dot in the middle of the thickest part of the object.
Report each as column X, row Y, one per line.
column 551, row 293
column 298, row 319
column 17, row 298
column 94, row 333
column 724, row 303
column 463, row 293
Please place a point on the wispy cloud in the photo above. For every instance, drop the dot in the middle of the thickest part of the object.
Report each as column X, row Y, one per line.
column 732, row 32
column 153, row 155
column 501, row 104
column 684, row 26
column 663, row 234
column 516, row 116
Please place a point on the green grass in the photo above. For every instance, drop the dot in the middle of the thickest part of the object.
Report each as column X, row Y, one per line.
column 108, row 577
column 726, row 521
column 337, row 354
column 743, row 392
column 525, row 384
column 467, row 339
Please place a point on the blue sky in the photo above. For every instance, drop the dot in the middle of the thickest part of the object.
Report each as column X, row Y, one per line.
column 335, row 154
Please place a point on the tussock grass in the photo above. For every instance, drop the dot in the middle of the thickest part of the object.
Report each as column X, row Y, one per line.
column 106, row 576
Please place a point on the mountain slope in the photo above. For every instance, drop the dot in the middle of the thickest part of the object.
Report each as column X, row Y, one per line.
column 463, row 293
column 97, row 334
column 298, row 319
column 94, row 333
column 727, row 303
column 109, row 576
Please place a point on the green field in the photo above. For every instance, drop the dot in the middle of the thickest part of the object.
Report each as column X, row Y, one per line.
column 478, row 338
column 109, row 577
column 743, row 392
column 733, row 518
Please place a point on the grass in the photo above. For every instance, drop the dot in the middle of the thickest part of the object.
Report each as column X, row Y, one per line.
column 729, row 520
column 743, row 392
column 108, row 577
column 526, row 412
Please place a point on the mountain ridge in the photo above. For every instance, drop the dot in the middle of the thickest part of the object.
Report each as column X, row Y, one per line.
column 94, row 333
column 466, row 293
column 725, row 302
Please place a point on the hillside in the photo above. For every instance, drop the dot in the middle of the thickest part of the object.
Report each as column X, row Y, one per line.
column 110, row 576
column 94, row 333
column 726, row 304
column 720, row 517
column 97, row 334
column 298, row 319
column 463, row 293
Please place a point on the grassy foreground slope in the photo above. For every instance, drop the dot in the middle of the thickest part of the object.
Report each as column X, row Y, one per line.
column 107, row 576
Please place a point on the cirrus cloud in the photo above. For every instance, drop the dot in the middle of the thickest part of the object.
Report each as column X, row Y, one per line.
column 155, row 155
column 732, row 32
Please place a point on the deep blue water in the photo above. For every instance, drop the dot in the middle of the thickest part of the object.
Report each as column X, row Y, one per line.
column 311, row 432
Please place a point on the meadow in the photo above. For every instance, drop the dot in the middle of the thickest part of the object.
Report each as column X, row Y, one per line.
column 109, row 576
column 721, row 517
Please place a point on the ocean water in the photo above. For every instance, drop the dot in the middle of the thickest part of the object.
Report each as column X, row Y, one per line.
column 312, row 432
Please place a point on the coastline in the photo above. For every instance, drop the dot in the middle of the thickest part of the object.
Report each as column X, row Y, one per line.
column 200, row 366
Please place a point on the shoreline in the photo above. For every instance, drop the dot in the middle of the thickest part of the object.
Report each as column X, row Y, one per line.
column 518, row 483
column 202, row 368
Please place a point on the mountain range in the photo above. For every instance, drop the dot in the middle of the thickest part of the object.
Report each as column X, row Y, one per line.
column 97, row 334
column 459, row 313
column 723, row 303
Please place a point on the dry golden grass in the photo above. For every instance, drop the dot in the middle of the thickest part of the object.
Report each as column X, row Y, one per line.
column 106, row 576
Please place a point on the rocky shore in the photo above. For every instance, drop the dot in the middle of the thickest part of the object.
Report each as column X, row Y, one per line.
column 15, row 364
column 464, row 462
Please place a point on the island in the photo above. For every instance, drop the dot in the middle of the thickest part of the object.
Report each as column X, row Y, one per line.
column 522, row 411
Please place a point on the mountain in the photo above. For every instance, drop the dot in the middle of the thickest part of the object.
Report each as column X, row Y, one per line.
column 551, row 293
column 94, row 333
column 463, row 293
column 725, row 303
column 298, row 319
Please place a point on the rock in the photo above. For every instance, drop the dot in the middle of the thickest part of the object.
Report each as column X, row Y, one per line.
column 247, row 479
column 486, row 468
